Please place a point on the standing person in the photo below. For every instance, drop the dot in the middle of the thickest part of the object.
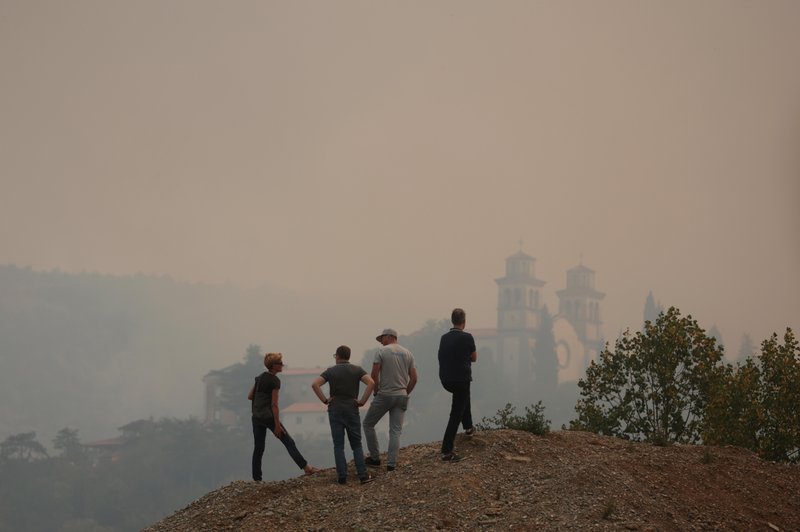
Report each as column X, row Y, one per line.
column 395, row 375
column 343, row 379
column 266, row 415
column 456, row 355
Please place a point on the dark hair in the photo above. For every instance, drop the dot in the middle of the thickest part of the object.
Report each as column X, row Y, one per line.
column 458, row 316
column 343, row 352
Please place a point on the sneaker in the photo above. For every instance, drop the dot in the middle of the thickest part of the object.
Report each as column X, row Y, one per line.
column 367, row 479
column 342, row 480
column 452, row 457
column 470, row 431
column 372, row 462
column 390, row 468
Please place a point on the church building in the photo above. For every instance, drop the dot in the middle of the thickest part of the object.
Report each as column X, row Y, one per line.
column 533, row 349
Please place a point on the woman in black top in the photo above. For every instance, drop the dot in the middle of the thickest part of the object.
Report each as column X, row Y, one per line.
column 264, row 397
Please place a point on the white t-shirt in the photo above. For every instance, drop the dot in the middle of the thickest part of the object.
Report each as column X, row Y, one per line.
column 396, row 361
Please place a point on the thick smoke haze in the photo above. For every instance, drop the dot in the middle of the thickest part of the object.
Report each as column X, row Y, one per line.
column 380, row 160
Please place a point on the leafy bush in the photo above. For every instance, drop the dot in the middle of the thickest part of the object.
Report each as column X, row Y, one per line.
column 654, row 385
column 533, row 420
column 755, row 406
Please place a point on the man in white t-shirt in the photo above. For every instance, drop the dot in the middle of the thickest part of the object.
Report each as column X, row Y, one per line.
column 395, row 375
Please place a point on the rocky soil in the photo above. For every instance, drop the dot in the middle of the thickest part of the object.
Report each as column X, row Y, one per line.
column 518, row 481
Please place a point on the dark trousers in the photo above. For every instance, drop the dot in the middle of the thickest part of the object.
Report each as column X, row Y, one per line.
column 260, row 437
column 460, row 412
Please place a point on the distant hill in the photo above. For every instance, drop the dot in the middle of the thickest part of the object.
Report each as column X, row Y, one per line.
column 518, row 481
column 94, row 352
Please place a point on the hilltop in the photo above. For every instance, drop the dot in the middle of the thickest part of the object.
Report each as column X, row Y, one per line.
column 567, row 480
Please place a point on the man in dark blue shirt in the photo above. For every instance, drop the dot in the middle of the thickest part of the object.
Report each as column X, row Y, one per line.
column 456, row 355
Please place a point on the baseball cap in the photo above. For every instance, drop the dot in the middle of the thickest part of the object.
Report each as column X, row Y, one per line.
column 386, row 332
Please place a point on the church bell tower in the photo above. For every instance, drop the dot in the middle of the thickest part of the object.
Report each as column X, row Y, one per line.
column 519, row 304
column 518, row 294
column 580, row 304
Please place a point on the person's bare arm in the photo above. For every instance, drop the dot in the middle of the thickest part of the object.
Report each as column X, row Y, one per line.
column 317, row 387
column 366, row 379
column 252, row 392
column 412, row 379
column 376, row 375
column 278, row 432
column 473, row 357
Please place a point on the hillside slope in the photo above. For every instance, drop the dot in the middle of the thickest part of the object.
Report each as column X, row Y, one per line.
column 515, row 480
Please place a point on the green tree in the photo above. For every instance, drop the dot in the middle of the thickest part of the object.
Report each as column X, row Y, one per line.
column 733, row 413
column 67, row 442
column 780, row 398
column 756, row 405
column 71, row 473
column 164, row 464
column 28, row 497
column 23, row 446
column 237, row 379
column 655, row 385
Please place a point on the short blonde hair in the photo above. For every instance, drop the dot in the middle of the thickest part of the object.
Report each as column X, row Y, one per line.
column 270, row 359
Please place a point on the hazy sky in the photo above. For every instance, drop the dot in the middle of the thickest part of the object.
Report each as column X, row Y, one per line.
column 390, row 155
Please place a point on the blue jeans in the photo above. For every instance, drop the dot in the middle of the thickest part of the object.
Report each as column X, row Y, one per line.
column 460, row 412
column 260, row 437
column 396, row 405
column 347, row 420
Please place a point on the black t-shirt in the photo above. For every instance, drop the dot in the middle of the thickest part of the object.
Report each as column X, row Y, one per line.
column 455, row 349
column 344, row 380
column 262, row 396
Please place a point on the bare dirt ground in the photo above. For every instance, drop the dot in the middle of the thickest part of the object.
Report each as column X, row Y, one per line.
column 518, row 481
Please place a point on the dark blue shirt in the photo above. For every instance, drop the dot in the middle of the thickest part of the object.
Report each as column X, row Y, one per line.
column 455, row 351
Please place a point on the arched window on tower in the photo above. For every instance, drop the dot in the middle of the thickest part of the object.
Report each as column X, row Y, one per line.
column 517, row 297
